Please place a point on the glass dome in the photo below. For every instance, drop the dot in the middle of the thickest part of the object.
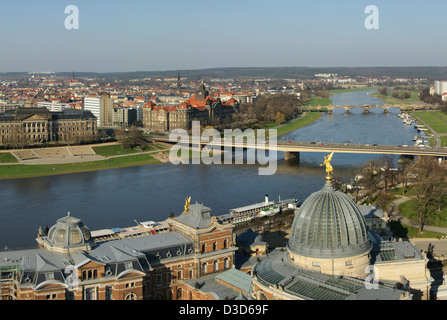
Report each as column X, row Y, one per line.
column 329, row 225
column 69, row 233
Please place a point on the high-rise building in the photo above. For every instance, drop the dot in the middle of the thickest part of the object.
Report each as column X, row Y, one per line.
column 440, row 87
column 102, row 109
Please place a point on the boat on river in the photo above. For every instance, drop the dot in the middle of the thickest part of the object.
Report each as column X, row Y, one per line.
column 258, row 210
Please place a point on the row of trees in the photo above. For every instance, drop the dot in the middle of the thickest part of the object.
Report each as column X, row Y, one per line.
column 397, row 93
column 130, row 137
column 266, row 107
column 426, row 176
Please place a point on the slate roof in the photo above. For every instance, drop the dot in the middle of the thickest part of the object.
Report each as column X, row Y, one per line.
column 198, row 217
column 309, row 285
column 236, row 278
column 119, row 255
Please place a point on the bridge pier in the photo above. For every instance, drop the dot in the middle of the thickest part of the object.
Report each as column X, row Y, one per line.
column 366, row 110
column 291, row 155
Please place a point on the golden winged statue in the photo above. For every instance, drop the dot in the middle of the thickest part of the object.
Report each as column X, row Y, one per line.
column 187, row 202
column 329, row 169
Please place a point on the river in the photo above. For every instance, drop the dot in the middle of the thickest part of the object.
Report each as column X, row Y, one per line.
column 116, row 197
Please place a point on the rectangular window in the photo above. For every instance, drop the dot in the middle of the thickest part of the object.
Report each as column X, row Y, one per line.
column 315, row 264
column 158, row 280
column 89, row 294
column 49, row 275
column 108, row 293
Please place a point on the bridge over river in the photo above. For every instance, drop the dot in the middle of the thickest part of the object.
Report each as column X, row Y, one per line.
column 367, row 108
column 292, row 149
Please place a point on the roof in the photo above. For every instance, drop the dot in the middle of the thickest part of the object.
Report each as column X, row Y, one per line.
column 237, row 279
column 253, row 206
column 198, row 216
column 208, row 285
column 340, row 227
column 309, row 285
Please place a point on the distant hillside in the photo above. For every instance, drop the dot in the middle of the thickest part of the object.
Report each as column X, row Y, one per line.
column 431, row 73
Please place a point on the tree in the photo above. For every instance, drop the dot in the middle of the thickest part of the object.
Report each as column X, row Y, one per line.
column 387, row 172
column 428, row 188
column 404, row 166
column 129, row 137
column 383, row 91
column 280, row 118
column 370, row 178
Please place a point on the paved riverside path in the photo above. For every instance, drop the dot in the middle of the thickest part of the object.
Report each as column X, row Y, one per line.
column 439, row 245
column 437, row 135
column 42, row 160
column 394, row 214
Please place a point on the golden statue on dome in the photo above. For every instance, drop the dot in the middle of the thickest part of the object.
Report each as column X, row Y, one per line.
column 329, row 168
column 187, row 203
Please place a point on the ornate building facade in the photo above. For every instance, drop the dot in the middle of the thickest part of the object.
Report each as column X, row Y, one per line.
column 72, row 264
column 24, row 126
column 201, row 107
column 333, row 254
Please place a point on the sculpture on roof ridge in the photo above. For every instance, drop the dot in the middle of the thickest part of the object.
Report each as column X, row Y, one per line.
column 329, row 168
column 187, row 203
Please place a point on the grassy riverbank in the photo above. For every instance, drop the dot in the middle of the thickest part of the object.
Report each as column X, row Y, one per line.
column 31, row 171
column 437, row 120
column 335, row 91
column 117, row 157
column 305, row 120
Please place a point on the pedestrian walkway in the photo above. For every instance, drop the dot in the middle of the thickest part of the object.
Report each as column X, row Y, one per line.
column 394, row 214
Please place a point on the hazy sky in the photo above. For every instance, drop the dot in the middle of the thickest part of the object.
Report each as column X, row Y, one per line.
column 157, row 35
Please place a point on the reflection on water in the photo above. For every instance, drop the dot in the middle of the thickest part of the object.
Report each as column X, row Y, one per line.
column 114, row 198
column 356, row 98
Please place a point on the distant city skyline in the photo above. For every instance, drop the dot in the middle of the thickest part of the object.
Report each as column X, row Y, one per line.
column 117, row 36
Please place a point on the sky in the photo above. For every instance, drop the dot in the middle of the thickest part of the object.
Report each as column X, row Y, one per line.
column 158, row 35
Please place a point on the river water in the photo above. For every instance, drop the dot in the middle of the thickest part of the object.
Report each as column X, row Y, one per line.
column 116, row 197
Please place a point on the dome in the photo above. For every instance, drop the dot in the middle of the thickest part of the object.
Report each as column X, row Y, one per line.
column 329, row 225
column 69, row 233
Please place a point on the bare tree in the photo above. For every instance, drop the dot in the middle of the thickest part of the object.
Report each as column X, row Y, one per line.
column 369, row 178
column 129, row 137
column 428, row 187
column 404, row 166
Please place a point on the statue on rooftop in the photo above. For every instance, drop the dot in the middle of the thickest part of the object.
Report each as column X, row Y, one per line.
column 187, row 203
column 329, row 168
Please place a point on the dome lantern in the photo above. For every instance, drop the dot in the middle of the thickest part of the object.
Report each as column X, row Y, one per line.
column 67, row 235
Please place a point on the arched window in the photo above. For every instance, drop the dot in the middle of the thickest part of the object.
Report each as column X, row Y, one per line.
column 203, row 248
column 226, row 263
column 215, row 266
column 84, row 275
column 95, row 273
column 214, row 246
column 131, row 296
column 89, row 274
column 204, row 268
column 225, row 244
column 261, row 296
column 179, row 293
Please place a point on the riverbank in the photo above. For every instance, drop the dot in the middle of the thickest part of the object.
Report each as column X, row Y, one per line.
column 326, row 101
column 100, row 157
column 32, row 163
column 304, row 120
column 32, row 171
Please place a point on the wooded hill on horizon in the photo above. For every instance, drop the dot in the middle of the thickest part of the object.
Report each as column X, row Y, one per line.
column 429, row 73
